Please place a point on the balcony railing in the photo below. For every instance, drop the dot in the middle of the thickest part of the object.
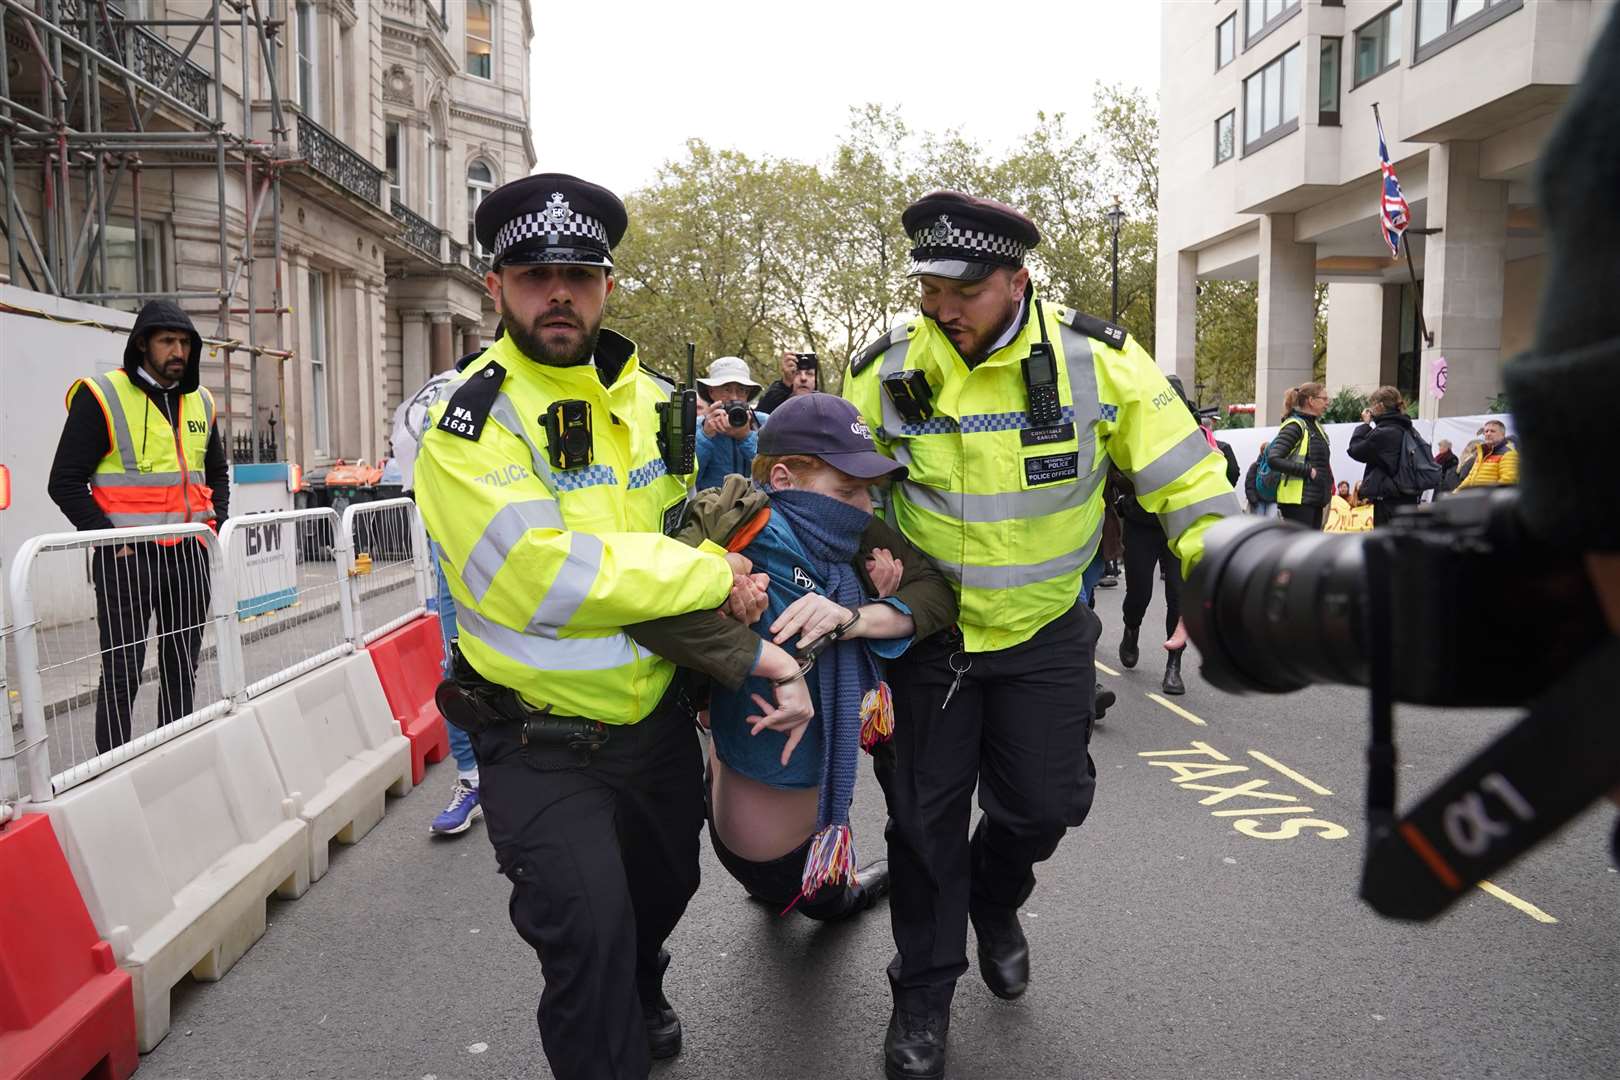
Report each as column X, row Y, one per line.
column 418, row 231
column 148, row 55
column 332, row 158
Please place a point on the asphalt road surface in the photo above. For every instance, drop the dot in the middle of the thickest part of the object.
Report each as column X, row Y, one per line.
column 1186, row 930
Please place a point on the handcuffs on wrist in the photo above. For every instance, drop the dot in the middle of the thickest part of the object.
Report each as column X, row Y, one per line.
column 807, row 655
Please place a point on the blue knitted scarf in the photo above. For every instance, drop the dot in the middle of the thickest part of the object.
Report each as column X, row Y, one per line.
column 830, row 533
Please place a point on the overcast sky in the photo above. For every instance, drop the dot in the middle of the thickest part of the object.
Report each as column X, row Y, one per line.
column 617, row 91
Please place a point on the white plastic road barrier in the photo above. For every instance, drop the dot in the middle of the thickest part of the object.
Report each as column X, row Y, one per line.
column 175, row 852
column 338, row 750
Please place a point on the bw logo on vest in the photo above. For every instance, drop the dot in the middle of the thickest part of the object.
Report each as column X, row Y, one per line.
column 196, row 427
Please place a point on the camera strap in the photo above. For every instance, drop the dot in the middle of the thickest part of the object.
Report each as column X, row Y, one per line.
column 1526, row 785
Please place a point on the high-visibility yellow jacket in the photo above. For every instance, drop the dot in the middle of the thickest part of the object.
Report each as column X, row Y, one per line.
column 548, row 565
column 152, row 473
column 1013, row 513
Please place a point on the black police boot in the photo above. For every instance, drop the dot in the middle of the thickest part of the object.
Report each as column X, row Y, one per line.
column 1003, row 953
column 663, row 1026
column 914, row 1046
column 1172, row 673
column 1129, row 653
column 1102, row 700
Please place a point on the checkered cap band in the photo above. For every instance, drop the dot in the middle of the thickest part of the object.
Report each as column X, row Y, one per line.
column 574, row 230
column 944, row 240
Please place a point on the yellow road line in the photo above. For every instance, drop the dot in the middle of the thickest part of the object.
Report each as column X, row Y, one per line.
column 1105, row 669
column 1290, row 773
column 1513, row 901
column 1177, row 709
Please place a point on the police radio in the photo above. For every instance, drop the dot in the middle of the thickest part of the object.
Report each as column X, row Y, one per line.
column 1040, row 378
column 677, row 422
column 568, row 433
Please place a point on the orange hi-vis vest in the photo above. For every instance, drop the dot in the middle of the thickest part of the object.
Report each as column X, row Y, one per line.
column 153, row 473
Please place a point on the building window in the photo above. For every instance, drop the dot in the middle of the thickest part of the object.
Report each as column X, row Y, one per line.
column 480, row 182
column 1260, row 17
column 305, row 42
column 1225, row 41
column 394, row 159
column 433, row 181
column 1378, row 45
column 481, row 39
column 129, row 271
column 1271, row 101
column 1225, row 136
column 1443, row 23
column 1327, row 91
column 319, row 398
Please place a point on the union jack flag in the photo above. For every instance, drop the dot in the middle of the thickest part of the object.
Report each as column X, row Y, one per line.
column 1393, row 214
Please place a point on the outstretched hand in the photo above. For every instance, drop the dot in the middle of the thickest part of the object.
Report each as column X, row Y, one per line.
column 790, row 715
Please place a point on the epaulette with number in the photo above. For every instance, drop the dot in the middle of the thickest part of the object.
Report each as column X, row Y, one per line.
column 863, row 359
column 1091, row 326
column 469, row 406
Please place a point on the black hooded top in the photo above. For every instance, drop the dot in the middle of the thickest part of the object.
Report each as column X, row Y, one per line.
column 84, row 439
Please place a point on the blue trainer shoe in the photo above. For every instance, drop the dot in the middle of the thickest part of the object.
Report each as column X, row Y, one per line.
column 461, row 813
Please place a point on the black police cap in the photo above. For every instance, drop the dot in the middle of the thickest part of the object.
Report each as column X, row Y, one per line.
column 965, row 237
column 550, row 218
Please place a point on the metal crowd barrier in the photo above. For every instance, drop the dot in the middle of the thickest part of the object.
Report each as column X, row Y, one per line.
column 122, row 640
column 389, row 573
column 289, row 575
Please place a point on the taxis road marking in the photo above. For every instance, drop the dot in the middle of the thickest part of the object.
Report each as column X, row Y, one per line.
column 1309, row 785
column 1105, row 669
column 1177, row 709
column 1513, row 901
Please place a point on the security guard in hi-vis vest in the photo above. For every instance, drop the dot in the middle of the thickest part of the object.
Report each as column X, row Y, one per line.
column 1006, row 411
column 548, row 475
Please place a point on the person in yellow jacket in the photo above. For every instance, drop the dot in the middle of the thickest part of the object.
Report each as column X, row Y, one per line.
column 547, row 484
column 1496, row 463
column 1006, row 411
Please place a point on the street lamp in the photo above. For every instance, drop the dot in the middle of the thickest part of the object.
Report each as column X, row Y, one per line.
column 1115, row 217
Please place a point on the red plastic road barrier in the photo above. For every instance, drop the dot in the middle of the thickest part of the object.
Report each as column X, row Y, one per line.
column 409, row 662
column 66, row 1010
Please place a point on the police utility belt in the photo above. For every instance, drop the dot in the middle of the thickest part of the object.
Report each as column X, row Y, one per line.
column 476, row 705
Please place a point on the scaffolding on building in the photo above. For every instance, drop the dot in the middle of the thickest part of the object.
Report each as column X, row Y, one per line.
column 90, row 99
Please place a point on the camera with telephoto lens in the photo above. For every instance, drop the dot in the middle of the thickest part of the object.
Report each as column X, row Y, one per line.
column 738, row 414
column 1455, row 603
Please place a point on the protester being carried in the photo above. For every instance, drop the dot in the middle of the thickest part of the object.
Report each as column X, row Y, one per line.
column 779, row 804
column 1301, row 453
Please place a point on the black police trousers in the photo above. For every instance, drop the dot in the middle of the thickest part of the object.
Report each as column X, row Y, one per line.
column 1147, row 552
column 1018, row 727
column 171, row 581
column 602, row 851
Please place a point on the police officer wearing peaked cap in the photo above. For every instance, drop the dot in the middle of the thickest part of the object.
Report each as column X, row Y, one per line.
column 544, row 482
column 1007, row 411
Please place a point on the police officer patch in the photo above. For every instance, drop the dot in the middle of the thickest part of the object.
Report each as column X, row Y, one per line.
column 1050, row 468
column 469, row 406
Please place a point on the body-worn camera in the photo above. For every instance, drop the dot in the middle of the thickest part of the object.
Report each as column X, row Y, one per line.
column 568, row 433
column 1416, row 613
column 738, row 414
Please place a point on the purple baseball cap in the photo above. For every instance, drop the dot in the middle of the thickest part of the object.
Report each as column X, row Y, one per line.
column 830, row 428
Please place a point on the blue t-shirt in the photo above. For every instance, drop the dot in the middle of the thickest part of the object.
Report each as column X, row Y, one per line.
column 776, row 551
column 719, row 456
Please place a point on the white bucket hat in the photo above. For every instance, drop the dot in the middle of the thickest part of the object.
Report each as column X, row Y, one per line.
column 731, row 369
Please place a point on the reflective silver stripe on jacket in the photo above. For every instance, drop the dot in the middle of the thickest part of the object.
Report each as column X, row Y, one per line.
column 1012, row 576
column 1005, row 506
column 570, row 587
column 140, row 479
column 506, row 412
column 124, row 519
column 501, row 535
column 546, row 653
column 115, row 409
column 1173, row 463
column 1176, row 522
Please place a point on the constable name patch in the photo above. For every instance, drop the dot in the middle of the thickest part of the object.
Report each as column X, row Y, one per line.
column 1050, row 468
column 1040, row 436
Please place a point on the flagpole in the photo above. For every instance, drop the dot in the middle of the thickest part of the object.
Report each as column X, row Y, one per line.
column 1406, row 244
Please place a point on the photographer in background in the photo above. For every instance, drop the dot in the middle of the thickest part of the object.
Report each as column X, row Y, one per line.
column 728, row 428
column 1377, row 444
column 800, row 375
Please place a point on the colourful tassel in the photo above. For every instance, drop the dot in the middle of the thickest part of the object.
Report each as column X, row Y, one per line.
column 877, row 717
column 831, row 859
